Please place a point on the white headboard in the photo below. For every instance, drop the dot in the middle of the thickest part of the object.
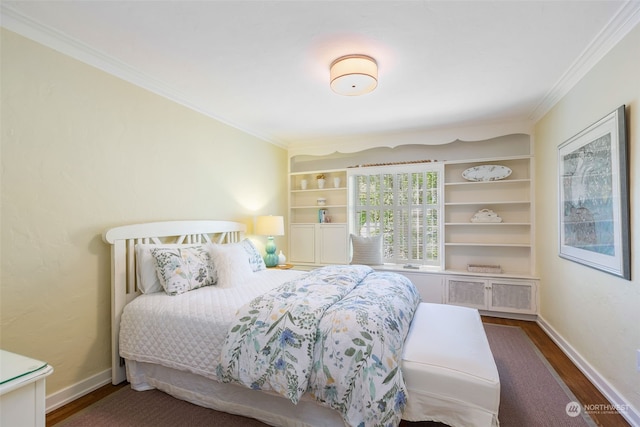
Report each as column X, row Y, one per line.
column 123, row 266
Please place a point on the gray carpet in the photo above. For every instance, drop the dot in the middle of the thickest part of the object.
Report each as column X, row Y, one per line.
column 531, row 395
column 531, row 392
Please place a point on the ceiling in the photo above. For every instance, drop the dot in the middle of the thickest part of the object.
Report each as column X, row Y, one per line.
column 263, row 66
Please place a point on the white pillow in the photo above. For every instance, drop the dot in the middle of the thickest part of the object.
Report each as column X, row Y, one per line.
column 182, row 270
column 367, row 250
column 146, row 274
column 231, row 263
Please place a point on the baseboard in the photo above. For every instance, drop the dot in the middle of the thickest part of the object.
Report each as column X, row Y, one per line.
column 514, row 316
column 71, row 393
column 624, row 408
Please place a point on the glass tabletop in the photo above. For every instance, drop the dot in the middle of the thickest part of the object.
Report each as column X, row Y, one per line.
column 14, row 366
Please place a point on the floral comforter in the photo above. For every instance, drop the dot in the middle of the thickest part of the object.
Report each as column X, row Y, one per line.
column 336, row 332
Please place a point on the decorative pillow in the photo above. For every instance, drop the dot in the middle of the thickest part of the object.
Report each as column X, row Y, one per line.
column 366, row 250
column 231, row 264
column 147, row 277
column 183, row 269
column 255, row 259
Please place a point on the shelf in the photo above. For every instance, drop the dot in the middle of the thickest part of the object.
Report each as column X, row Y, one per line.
column 502, row 181
column 475, row 224
column 512, row 202
column 323, row 223
column 503, row 275
column 496, row 245
column 318, row 172
column 488, row 160
column 318, row 207
column 310, row 190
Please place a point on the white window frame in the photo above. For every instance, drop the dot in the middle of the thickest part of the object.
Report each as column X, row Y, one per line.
column 353, row 207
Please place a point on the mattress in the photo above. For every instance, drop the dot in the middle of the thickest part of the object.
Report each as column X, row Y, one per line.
column 186, row 331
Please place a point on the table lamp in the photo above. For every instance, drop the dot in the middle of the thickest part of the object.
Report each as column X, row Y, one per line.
column 270, row 226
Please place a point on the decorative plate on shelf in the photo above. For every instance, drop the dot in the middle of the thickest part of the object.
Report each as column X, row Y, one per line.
column 486, row 173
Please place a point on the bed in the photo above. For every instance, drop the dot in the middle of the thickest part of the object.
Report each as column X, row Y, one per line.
column 185, row 339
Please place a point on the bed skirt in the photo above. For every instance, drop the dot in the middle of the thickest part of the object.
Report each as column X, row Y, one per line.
column 231, row 398
column 447, row 364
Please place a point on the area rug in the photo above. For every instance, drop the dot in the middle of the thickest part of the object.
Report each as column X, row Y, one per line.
column 531, row 395
column 531, row 392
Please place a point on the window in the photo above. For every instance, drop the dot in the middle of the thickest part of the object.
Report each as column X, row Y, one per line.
column 403, row 203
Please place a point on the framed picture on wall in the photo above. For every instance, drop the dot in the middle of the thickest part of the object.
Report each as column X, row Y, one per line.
column 594, row 196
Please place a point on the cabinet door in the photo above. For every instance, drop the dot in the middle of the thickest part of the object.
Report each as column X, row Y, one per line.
column 332, row 244
column 468, row 292
column 514, row 297
column 302, row 243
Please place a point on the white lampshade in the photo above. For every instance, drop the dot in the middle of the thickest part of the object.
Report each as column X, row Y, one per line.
column 353, row 75
column 270, row 225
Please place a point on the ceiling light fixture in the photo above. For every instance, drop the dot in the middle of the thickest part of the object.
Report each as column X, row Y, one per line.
column 353, row 75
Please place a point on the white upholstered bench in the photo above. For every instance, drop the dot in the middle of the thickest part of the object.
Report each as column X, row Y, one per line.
column 448, row 366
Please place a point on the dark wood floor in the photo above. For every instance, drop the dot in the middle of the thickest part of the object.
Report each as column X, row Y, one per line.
column 584, row 391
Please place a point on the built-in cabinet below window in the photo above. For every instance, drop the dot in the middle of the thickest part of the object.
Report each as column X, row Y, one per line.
column 430, row 286
column 491, row 294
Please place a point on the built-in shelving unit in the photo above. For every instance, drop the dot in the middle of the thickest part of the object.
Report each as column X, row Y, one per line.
column 508, row 243
column 310, row 241
column 304, row 202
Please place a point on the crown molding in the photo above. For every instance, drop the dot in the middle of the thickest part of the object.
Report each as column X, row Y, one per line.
column 620, row 25
column 19, row 23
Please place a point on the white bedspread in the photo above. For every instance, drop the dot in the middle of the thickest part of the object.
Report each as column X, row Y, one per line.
column 186, row 332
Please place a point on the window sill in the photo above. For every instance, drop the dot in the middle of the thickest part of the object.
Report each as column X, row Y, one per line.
column 401, row 267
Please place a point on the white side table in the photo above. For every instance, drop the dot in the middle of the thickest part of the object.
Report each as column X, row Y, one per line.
column 22, row 390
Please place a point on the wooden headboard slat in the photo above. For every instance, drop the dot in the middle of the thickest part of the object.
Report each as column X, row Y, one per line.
column 123, row 262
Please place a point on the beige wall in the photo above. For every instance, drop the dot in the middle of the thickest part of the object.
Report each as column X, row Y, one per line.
column 83, row 151
column 596, row 313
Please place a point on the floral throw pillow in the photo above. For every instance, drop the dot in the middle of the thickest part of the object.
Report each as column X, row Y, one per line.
column 183, row 269
column 255, row 259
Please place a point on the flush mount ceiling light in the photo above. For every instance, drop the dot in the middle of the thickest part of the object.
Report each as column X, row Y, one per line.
column 353, row 75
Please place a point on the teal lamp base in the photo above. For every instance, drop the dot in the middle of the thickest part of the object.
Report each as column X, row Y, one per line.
column 271, row 258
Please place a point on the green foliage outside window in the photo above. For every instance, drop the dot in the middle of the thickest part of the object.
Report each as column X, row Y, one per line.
column 404, row 207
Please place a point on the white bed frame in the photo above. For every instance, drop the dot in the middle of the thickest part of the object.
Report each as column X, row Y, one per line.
column 123, row 264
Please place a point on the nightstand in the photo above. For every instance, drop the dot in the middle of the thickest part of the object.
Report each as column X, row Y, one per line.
column 22, row 390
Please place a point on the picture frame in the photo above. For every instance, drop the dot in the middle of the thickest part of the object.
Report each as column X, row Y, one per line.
column 593, row 193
